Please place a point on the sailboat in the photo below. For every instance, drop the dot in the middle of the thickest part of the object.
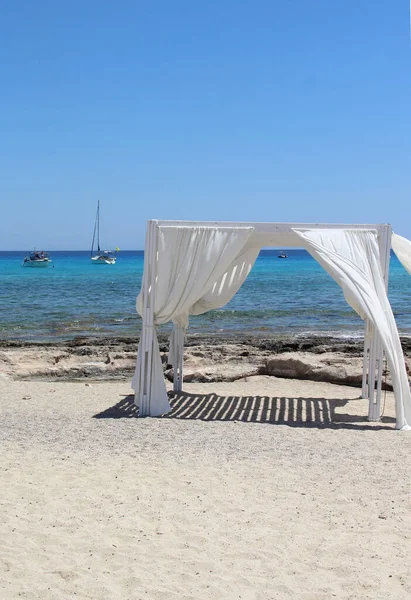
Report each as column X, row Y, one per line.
column 102, row 257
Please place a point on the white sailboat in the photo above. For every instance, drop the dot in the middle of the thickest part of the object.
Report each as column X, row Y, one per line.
column 102, row 257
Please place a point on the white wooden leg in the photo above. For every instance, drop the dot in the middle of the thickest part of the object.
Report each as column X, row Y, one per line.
column 371, row 374
column 178, row 358
column 365, row 361
column 375, row 379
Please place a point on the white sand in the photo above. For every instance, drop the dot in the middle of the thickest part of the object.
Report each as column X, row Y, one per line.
column 185, row 508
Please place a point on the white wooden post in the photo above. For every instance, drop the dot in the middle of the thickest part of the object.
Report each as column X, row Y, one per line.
column 143, row 393
column 366, row 360
column 178, row 358
column 374, row 407
column 371, row 374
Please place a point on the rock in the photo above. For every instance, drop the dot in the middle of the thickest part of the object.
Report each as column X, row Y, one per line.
column 289, row 366
column 196, row 376
column 169, row 374
column 333, row 368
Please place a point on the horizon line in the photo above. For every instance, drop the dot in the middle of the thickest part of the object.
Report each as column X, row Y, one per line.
column 140, row 249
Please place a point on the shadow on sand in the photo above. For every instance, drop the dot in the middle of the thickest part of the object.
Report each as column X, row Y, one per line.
column 294, row 412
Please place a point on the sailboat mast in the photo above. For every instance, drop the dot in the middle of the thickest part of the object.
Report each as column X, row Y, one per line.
column 98, row 226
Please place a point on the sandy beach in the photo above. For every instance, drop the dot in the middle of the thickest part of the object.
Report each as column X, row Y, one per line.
column 261, row 488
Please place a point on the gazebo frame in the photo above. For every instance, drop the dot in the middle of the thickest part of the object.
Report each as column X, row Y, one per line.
column 373, row 350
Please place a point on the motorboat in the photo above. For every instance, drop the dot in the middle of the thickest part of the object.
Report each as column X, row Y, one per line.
column 101, row 257
column 282, row 254
column 37, row 259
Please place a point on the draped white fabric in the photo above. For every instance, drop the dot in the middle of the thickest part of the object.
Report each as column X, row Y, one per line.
column 352, row 258
column 190, row 260
column 228, row 284
column 402, row 248
column 220, row 293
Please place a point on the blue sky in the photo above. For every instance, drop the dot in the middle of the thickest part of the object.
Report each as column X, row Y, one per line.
column 272, row 110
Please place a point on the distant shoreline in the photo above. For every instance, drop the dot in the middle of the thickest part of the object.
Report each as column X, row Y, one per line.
column 276, row 342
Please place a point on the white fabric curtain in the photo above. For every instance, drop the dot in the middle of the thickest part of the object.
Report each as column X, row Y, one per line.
column 220, row 293
column 190, row 260
column 352, row 258
column 402, row 248
column 228, row 284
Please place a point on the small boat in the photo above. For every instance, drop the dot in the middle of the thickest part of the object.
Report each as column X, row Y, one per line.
column 102, row 257
column 37, row 259
column 282, row 254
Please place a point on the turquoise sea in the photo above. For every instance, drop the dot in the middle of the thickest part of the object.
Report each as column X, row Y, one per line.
column 77, row 298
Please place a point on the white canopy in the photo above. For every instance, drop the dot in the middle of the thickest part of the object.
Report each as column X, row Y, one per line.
column 190, row 268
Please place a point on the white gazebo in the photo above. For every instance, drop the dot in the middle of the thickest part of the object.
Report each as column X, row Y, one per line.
column 191, row 267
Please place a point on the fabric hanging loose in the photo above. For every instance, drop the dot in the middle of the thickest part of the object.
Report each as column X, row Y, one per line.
column 352, row 258
column 228, row 284
column 222, row 291
column 190, row 260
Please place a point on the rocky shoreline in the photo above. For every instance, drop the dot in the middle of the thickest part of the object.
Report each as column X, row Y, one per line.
column 206, row 358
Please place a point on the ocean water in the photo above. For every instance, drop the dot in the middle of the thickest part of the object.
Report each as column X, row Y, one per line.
column 75, row 297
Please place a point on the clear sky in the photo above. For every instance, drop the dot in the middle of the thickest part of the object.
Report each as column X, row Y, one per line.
column 270, row 110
